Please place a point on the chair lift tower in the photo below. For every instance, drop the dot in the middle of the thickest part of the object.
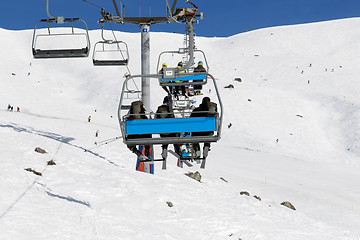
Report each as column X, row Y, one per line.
column 180, row 15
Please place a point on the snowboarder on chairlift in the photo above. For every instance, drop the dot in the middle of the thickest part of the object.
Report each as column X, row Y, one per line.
column 199, row 69
column 205, row 109
column 164, row 111
column 137, row 111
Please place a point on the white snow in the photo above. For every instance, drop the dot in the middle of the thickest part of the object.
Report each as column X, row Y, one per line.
column 295, row 137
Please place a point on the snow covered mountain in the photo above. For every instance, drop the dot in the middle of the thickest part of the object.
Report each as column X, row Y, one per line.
column 295, row 137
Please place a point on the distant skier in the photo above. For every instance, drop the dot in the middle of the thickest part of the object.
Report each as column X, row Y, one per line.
column 89, row 118
column 230, row 124
column 97, row 133
column 9, row 107
column 18, row 109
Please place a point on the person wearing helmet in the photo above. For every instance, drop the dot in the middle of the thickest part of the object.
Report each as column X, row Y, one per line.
column 161, row 71
column 164, row 111
column 180, row 88
column 205, row 109
column 136, row 112
column 199, row 69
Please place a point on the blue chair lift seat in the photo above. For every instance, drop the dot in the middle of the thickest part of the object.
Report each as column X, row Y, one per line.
column 170, row 125
column 184, row 80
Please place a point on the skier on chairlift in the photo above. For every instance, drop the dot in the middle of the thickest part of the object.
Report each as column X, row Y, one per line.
column 206, row 109
column 164, row 111
column 137, row 111
column 199, row 69
column 161, row 71
column 180, row 88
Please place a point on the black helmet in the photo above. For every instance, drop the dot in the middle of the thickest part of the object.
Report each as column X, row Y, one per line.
column 205, row 100
column 166, row 100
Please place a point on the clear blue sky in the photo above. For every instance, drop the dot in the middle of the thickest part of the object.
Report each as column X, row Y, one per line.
column 221, row 18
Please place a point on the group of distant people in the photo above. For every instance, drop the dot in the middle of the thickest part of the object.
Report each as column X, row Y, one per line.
column 137, row 111
column 11, row 108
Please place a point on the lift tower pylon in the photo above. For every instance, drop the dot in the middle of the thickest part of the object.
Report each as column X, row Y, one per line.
column 179, row 15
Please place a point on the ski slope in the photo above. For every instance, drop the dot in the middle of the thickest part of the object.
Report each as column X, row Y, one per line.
column 295, row 137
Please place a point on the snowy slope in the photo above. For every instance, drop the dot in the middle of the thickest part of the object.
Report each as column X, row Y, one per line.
column 295, row 137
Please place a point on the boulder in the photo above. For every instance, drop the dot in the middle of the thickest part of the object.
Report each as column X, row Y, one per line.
column 230, row 86
column 196, row 175
column 245, row 193
column 40, row 150
column 288, row 205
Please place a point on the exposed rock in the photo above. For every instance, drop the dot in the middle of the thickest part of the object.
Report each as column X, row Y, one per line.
column 51, row 162
column 33, row 171
column 238, row 79
column 170, row 204
column 288, row 204
column 244, row 193
column 196, row 175
column 40, row 150
column 230, row 86
column 249, row 100
column 257, row 197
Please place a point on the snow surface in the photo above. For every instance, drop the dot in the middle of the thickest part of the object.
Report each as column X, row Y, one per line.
column 295, row 137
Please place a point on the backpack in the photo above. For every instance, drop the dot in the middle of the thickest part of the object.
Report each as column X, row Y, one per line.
column 212, row 108
column 163, row 112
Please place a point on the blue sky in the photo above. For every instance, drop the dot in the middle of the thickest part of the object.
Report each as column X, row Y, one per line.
column 221, row 18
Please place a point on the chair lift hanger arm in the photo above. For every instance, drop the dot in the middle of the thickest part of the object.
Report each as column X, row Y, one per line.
column 116, row 8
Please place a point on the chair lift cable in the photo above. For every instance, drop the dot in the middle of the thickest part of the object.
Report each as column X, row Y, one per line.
column 112, row 31
column 115, row 40
column 122, row 55
column 91, row 4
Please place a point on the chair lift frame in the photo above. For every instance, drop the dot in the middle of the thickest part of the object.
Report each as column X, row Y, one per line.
column 174, row 125
column 60, row 53
column 108, row 62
